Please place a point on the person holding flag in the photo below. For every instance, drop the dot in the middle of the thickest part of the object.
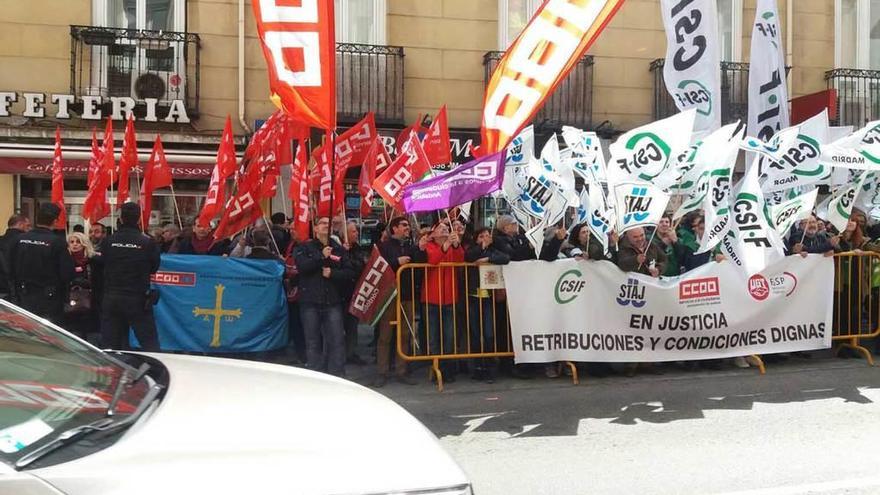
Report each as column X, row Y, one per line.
column 637, row 255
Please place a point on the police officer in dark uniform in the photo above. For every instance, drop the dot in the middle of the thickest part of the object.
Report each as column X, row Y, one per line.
column 128, row 259
column 42, row 267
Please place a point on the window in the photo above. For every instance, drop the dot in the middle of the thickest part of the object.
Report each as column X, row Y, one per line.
column 154, row 15
column 360, row 21
column 513, row 15
column 857, row 34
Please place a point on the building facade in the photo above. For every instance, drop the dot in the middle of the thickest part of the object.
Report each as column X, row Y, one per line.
column 182, row 66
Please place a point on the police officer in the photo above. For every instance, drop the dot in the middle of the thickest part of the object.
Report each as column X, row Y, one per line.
column 42, row 267
column 128, row 259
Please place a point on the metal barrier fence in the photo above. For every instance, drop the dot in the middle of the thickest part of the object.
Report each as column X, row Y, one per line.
column 458, row 320
column 856, row 301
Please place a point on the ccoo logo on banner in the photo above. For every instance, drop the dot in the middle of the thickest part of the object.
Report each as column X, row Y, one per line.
column 573, row 310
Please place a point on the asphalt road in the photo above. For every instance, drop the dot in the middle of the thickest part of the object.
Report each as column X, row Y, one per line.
column 807, row 426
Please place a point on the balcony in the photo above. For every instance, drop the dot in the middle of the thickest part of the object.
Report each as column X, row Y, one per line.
column 570, row 104
column 858, row 95
column 734, row 92
column 139, row 64
column 369, row 78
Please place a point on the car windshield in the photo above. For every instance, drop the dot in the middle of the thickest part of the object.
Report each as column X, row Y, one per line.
column 51, row 382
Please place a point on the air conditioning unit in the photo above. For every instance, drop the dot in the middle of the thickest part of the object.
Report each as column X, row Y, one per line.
column 162, row 85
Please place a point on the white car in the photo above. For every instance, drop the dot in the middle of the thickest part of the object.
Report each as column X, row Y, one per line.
column 78, row 420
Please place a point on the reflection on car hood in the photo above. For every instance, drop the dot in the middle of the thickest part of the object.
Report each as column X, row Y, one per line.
column 228, row 426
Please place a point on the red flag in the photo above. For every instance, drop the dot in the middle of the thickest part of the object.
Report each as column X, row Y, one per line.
column 374, row 290
column 95, row 206
column 157, row 174
column 95, row 160
column 536, row 63
column 409, row 167
column 352, row 145
column 377, row 159
column 299, row 193
column 299, row 44
column 128, row 160
column 269, row 167
column 416, row 128
column 322, row 181
column 436, row 142
column 58, row 182
column 108, row 160
column 243, row 210
column 225, row 167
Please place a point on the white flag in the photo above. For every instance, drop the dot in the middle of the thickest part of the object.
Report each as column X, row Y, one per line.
column 706, row 154
column 801, row 164
column 646, row 153
column 521, row 149
column 587, row 157
column 693, row 58
column 856, row 151
column 841, row 203
column 638, row 204
column 785, row 214
column 558, row 171
column 752, row 243
column 768, row 94
column 602, row 218
column 716, row 205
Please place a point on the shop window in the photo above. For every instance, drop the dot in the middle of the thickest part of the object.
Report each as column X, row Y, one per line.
column 360, row 21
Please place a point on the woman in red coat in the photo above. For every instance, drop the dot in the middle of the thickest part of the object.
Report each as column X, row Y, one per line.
column 439, row 290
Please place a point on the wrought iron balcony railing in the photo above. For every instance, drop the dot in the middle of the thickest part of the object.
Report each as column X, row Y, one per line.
column 734, row 92
column 570, row 104
column 858, row 95
column 369, row 78
column 140, row 64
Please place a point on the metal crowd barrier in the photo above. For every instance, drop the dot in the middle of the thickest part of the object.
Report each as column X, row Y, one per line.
column 856, row 301
column 472, row 323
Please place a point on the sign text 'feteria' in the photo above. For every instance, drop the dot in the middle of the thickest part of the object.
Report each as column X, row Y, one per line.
column 35, row 106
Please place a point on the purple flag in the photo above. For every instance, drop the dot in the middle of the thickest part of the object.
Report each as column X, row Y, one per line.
column 466, row 182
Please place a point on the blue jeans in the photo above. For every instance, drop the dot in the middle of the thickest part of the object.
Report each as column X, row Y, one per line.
column 483, row 339
column 325, row 337
column 440, row 318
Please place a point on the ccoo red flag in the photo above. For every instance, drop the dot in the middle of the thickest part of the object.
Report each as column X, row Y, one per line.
column 225, row 167
column 408, row 168
column 377, row 159
column 58, row 182
column 95, row 206
column 299, row 193
column 243, row 210
column 127, row 161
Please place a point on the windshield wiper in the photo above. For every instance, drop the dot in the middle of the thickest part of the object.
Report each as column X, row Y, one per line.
column 125, row 381
column 70, row 436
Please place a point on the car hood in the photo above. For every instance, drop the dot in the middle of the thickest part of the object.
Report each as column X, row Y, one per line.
column 229, row 426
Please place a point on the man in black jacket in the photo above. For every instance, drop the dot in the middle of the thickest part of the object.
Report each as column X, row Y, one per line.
column 398, row 250
column 128, row 260
column 42, row 267
column 358, row 255
column 17, row 225
column 279, row 232
column 324, row 268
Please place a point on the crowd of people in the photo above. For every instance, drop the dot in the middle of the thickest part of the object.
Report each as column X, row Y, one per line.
column 98, row 282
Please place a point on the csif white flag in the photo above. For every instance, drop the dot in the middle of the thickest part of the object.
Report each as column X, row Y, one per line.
column 638, row 204
column 716, row 204
column 693, row 59
column 801, row 164
column 785, row 214
column 768, row 94
column 841, row 203
column 646, row 153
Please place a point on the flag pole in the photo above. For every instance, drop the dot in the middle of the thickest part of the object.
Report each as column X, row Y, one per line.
column 176, row 208
column 112, row 204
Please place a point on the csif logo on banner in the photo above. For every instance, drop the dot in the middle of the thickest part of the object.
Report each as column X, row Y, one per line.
column 637, row 204
column 647, row 149
column 569, row 286
column 632, row 292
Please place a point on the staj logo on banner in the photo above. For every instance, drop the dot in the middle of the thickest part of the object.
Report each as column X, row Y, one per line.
column 632, row 292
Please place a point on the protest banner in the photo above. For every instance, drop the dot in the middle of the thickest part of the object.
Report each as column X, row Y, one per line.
column 374, row 291
column 572, row 310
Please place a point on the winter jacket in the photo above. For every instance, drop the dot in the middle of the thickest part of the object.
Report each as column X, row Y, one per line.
column 627, row 258
column 314, row 288
column 440, row 285
column 476, row 252
column 515, row 246
column 392, row 249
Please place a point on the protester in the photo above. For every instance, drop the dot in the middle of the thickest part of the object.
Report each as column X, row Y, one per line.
column 511, row 241
column 41, row 267
column 667, row 239
column 439, row 294
column 79, row 228
column 578, row 243
column 80, row 316
column 324, row 267
column 279, row 232
column 691, row 244
column 636, row 255
column 481, row 312
column 554, row 237
column 291, row 284
column 170, row 236
column 97, row 234
column 262, row 249
column 17, row 225
column 397, row 250
column 813, row 241
column 358, row 255
column 201, row 242
column 128, row 260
